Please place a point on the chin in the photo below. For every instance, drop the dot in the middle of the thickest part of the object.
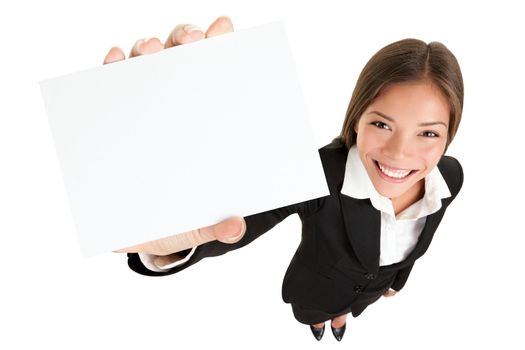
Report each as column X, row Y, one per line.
column 391, row 194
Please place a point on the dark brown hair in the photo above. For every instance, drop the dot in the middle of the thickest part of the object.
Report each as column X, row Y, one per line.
column 406, row 60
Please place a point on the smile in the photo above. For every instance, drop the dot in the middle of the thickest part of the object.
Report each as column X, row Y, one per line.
column 393, row 174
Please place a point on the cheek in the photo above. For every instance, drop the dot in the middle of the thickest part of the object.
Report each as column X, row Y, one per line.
column 432, row 153
column 368, row 139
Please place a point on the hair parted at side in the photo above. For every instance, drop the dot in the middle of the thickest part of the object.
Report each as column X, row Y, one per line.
column 406, row 60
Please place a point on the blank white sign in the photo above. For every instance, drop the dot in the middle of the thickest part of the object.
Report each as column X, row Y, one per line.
column 165, row 143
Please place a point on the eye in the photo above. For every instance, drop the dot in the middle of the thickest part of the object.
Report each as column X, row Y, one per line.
column 381, row 125
column 430, row 134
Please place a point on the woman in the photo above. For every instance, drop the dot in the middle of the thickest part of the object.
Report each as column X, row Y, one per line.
column 390, row 184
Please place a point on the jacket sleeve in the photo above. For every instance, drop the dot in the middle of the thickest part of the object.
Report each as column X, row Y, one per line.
column 401, row 278
column 256, row 225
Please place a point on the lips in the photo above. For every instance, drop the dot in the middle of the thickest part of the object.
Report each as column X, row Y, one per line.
column 395, row 174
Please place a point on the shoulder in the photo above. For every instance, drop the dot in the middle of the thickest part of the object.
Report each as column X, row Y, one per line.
column 452, row 172
column 333, row 157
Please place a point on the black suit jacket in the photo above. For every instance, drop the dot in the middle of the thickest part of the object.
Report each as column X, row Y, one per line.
column 336, row 266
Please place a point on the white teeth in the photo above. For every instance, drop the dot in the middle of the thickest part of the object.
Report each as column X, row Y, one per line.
column 398, row 174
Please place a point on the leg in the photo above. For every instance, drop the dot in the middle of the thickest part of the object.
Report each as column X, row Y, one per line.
column 311, row 317
column 318, row 325
column 339, row 326
column 339, row 321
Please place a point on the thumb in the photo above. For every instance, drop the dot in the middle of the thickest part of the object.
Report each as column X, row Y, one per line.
column 228, row 231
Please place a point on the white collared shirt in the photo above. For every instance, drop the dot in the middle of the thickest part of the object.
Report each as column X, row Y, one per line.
column 147, row 260
column 399, row 233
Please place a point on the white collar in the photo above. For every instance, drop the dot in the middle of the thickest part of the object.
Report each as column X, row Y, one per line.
column 358, row 185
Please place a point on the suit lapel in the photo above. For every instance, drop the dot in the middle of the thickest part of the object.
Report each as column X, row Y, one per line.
column 363, row 222
column 362, row 226
column 426, row 235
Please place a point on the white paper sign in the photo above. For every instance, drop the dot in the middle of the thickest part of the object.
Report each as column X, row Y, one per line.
column 165, row 143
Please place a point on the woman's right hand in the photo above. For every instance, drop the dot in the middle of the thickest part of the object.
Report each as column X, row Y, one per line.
column 228, row 231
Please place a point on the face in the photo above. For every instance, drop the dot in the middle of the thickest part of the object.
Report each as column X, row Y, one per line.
column 402, row 135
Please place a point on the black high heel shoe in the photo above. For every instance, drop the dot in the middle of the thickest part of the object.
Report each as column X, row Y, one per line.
column 338, row 332
column 318, row 332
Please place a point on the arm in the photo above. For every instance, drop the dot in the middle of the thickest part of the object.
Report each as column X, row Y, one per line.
column 401, row 278
column 256, row 225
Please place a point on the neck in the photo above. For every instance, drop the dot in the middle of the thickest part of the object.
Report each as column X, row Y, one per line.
column 408, row 198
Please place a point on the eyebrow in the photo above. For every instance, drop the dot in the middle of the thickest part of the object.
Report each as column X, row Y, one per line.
column 420, row 124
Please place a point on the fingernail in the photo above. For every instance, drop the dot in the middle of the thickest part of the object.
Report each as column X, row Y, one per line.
column 188, row 28
column 231, row 239
column 139, row 45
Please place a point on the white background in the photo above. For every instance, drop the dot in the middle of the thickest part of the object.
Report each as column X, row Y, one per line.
column 466, row 290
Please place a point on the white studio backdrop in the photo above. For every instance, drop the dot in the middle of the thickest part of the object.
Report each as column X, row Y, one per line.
column 465, row 291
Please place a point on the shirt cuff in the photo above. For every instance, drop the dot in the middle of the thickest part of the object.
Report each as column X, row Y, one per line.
column 147, row 260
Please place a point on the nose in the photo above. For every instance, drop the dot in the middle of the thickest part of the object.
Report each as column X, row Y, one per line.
column 398, row 147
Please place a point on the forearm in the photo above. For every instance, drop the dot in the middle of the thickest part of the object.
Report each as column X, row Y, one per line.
column 256, row 225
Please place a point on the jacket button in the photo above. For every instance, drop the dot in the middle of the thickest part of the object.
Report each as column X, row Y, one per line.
column 358, row 289
column 370, row 276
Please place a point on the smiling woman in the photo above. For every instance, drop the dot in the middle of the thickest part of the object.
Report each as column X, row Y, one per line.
column 390, row 184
